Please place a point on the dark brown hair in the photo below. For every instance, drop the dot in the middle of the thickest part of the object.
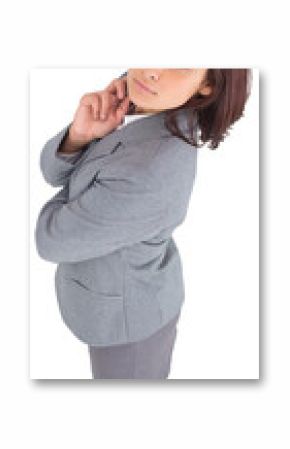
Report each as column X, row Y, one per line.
column 216, row 112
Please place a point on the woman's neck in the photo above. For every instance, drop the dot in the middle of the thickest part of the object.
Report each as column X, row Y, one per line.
column 139, row 110
column 147, row 111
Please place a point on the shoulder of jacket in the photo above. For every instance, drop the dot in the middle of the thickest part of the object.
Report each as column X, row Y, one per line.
column 173, row 155
column 132, row 157
column 153, row 162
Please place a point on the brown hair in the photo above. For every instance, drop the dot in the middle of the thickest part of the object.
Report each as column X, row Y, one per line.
column 216, row 112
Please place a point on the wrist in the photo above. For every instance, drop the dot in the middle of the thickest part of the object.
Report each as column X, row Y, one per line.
column 70, row 144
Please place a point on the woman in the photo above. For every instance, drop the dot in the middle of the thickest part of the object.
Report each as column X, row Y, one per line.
column 127, row 180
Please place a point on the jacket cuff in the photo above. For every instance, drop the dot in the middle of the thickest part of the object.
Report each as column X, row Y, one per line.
column 57, row 167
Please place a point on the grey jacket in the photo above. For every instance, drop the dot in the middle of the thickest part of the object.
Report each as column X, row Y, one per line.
column 119, row 275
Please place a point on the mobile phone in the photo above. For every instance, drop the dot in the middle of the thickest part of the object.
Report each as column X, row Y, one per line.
column 131, row 108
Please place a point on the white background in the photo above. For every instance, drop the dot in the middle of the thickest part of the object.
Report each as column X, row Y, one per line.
column 218, row 333
column 203, row 414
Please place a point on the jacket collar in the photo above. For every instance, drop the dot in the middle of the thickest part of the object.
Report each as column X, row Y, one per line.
column 150, row 127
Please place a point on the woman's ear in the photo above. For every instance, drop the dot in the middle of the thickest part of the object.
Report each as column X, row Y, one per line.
column 206, row 90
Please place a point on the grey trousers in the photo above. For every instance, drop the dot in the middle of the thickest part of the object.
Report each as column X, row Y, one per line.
column 145, row 359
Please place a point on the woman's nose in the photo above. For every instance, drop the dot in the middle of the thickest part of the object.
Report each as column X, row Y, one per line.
column 153, row 74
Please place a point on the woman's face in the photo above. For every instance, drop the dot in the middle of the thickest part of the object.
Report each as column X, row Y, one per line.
column 169, row 88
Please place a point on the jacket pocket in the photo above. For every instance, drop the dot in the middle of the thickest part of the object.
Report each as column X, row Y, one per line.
column 94, row 317
column 87, row 285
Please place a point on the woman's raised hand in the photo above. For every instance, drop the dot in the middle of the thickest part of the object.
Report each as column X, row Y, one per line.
column 99, row 113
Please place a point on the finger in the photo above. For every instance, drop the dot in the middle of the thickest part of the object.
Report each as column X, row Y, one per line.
column 94, row 109
column 108, row 103
column 116, row 114
column 104, row 105
column 87, row 99
column 113, row 103
column 90, row 100
column 112, row 88
column 120, row 86
column 96, row 106
column 122, row 109
column 117, row 87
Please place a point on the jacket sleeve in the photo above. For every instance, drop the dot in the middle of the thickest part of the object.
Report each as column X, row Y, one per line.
column 57, row 167
column 115, row 211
